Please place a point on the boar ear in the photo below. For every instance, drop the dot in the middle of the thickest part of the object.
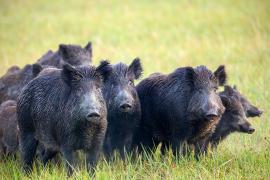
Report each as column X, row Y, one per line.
column 88, row 47
column 70, row 74
column 104, row 69
column 135, row 68
column 64, row 50
column 221, row 75
column 190, row 73
column 36, row 69
column 13, row 69
column 235, row 87
column 229, row 90
column 225, row 101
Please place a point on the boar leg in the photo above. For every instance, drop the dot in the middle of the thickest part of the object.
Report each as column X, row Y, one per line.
column 92, row 156
column 126, row 146
column 68, row 155
column 2, row 149
column 148, row 144
column 181, row 149
column 200, row 149
column 187, row 149
column 206, row 147
column 124, row 150
column 107, row 150
column 28, row 150
column 11, row 151
column 164, row 147
column 215, row 144
column 47, row 156
column 176, row 146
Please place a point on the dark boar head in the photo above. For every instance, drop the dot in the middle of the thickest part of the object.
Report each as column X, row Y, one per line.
column 250, row 110
column 76, row 55
column 234, row 118
column 119, row 88
column 205, row 103
column 85, row 84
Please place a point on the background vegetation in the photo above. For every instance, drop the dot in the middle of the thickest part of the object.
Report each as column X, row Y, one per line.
column 165, row 35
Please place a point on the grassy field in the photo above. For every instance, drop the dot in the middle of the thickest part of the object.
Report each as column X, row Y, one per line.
column 165, row 35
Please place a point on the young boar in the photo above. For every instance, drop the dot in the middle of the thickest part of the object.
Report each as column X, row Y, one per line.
column 71, row 54
column 233, row 120
column 64, row 111
column 178, row 107
column 123, row 106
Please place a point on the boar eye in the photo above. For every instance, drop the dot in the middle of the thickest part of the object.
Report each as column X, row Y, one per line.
column 200, row 90
column 235, row 112
column 130, row 82
column 79, row 91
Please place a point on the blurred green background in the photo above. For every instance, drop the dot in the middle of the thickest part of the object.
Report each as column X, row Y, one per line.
column 165, row 35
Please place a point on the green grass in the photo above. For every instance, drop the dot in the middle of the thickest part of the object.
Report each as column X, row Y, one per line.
column 165, row 35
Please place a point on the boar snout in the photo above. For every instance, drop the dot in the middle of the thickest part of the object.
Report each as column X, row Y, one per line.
column 251, row 130
column 212, row 114
column 254, row 112
column 247, row 128
column 93, row 116
column 125, row 101
column 125, row 107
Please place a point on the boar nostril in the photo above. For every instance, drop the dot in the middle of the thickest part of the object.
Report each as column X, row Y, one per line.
column 93, row 115
column 251, row 130
column 211, row 116
column 125, row 107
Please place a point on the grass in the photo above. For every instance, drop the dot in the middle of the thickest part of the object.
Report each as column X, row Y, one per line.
column 165, row 35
